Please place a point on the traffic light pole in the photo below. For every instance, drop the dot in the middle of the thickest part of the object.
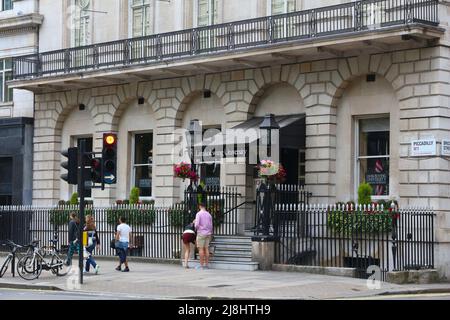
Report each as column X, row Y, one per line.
column 81, row 192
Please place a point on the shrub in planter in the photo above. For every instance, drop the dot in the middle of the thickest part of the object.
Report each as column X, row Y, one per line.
column 59, row 216
column 365, row 194
column 358, row 221
column 134, row 196
column 176, row 216
column 74, row 198
column 135, row 216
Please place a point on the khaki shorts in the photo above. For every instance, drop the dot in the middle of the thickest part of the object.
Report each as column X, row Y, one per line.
column 203, row 241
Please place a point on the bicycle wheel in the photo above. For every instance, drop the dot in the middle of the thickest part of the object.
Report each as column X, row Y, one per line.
column 5, row 266
column 59, row 266
column 29, row 267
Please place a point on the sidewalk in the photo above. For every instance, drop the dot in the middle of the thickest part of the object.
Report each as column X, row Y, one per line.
column 165, row 281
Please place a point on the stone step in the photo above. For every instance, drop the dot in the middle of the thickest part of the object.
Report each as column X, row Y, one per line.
column 233, row 251
column 232, row 239
column 227, row 265
column 232, row 246
column 235, row 258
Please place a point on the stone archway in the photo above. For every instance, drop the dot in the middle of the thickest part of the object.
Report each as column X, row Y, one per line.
column 366, row 103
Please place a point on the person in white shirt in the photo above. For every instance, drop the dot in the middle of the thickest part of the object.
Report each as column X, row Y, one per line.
column 123, row 236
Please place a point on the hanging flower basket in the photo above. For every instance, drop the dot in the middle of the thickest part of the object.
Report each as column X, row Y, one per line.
column 184, row 171
column 271, row 171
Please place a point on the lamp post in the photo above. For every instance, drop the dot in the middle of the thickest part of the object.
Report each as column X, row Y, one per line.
column 192, row 191
column 194, row 129
column 269, row 123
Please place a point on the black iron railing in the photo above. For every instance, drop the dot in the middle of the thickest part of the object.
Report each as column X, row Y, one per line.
column 221, row 202
column 362, row 237
column 296, row 26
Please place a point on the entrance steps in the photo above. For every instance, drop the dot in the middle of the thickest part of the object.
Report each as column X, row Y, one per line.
column 230, row 253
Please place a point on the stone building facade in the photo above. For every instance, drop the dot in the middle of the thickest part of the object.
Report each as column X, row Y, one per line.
column 387, row 87
column 19, row 28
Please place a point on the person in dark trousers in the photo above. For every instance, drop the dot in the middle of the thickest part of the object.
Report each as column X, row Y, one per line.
column 74, row 231
column 123, row 237
column 93, row 242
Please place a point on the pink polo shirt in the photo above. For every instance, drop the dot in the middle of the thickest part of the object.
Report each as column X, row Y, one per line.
column 203, row 223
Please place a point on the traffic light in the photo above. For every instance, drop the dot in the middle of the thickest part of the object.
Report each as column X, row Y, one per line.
column 109, row 155
column 71, row 165
column 96, row 170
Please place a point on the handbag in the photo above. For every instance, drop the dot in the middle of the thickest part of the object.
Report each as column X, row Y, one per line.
column 112, row 243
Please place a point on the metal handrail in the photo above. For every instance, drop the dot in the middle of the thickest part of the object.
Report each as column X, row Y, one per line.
column 295, row 26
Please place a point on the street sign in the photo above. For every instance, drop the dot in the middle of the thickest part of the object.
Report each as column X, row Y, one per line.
column 110, row 179
column 445, row 148
column 423, row 148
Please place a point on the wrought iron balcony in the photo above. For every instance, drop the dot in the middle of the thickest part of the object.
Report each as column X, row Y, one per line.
column 296, row 27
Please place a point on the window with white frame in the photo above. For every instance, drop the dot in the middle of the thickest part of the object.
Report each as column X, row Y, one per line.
column 6, row 94
column 81, row 33
column 143, row 163
column 141, row 17
column 281, row 6
column 373, row 154
column 207, row 12
column 6, row 5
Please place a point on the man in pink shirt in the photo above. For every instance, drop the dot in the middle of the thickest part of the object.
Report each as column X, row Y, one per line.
column 204, row 227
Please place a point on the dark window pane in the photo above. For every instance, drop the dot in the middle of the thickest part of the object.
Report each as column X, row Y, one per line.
column 143, row 180
column 374, row 143
column 210, row 174
column 143, row 148
column 6, row 169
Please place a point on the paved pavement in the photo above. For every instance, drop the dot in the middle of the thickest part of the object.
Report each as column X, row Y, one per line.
column 165, row 281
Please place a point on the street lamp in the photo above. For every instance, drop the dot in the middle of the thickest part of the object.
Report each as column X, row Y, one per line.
column 269, row 123
column 194, row 129
column 267, row 192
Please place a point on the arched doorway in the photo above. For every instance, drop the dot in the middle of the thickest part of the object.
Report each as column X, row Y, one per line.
column 208, row 109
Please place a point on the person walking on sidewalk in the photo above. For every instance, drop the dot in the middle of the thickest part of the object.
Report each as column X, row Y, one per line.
column 204, row 227
column 123, row 236
column 188, row 237
column 93, row 242
column 74, row 243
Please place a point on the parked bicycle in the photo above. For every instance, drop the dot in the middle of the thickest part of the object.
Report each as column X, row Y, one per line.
column 47, row 258
column 11, row 258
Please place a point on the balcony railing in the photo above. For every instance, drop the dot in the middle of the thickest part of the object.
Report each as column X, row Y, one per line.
column 341, row 19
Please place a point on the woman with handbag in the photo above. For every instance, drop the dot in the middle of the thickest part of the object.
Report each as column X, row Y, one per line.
column 123, row 232
column 93, row 242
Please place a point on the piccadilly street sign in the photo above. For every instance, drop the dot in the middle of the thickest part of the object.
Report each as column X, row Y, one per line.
column 423, row 148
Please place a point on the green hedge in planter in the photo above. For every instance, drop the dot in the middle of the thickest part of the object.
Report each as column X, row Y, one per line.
column 61, row 216
column 176, row 216
column 348, row 222
column 135, row 216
